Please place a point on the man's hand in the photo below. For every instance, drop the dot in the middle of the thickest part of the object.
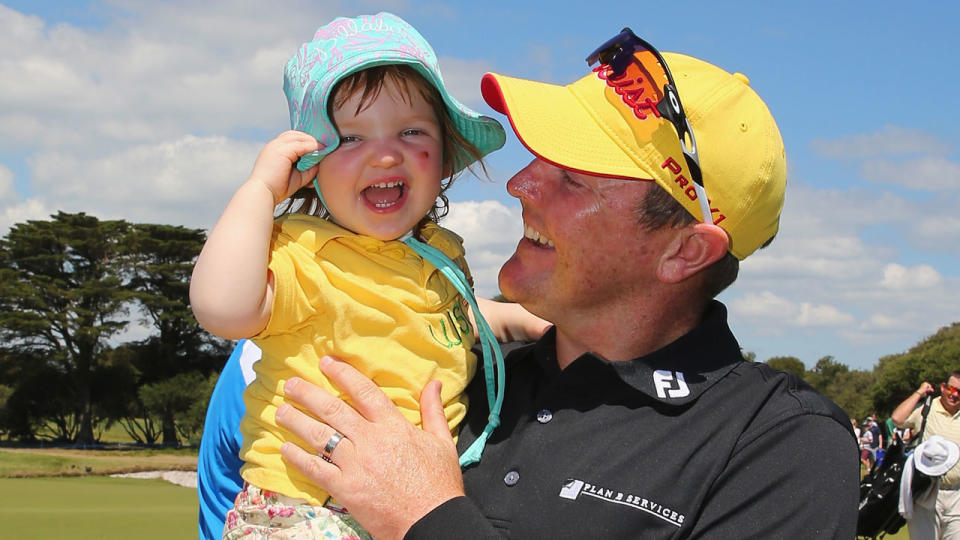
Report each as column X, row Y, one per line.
column 385, row 471
column 925, row 389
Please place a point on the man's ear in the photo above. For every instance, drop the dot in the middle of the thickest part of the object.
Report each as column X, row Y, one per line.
column 695, row 247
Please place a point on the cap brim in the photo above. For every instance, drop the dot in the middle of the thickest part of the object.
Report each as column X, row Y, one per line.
column 553, row 123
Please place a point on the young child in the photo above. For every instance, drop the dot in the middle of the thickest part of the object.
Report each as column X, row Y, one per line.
column 380, row 139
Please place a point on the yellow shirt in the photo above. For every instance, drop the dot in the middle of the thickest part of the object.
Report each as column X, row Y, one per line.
column 939, row 422
column 377, row 305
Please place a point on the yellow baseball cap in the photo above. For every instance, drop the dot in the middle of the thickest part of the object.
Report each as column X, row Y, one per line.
column 596, row 126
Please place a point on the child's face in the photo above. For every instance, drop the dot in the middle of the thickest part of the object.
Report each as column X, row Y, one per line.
column 385, row 175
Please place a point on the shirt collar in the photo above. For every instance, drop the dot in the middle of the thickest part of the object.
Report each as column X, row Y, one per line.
column 937, row 406
column 676, row 374
column 316, row 232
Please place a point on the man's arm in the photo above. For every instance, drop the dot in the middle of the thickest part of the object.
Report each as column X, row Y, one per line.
column 772, row 490
column 509, row 321
column 903, row 410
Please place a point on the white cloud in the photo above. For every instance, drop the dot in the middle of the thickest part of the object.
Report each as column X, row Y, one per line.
column 773, row 309
column 462, row 79
column 937, row 232
column 764, row 306
column 153, row 74
column 898, row 277
column 7, row 191
column 186, row 181
column 889, row 141
column 933, row 173
column 21, row 212
column 490, row 231
column 883, row 322
column 822, row 315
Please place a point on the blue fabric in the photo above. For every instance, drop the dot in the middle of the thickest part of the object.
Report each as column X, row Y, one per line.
column 218, row 464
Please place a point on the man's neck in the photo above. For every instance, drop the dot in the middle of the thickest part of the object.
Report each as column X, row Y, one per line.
column 946, row 406
column 623, row 338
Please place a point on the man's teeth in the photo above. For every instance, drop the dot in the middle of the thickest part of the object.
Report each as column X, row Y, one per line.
column 533, row 234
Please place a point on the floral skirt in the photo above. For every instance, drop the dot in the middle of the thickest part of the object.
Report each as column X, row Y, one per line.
column 258, row 514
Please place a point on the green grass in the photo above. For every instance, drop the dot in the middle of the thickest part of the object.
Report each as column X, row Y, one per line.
column 96, row 507
column 70, row 462
column 115, row 434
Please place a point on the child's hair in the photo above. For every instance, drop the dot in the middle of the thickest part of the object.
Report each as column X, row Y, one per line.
column 368, row 83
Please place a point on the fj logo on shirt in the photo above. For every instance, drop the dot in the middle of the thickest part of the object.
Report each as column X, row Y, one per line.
column 670, row 384
column 572, row 489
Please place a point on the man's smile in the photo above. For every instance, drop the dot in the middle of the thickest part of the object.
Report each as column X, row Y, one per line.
column 536, row 236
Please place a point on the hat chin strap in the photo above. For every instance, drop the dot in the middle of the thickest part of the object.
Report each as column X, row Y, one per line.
column 492, row 355
column 316, row 186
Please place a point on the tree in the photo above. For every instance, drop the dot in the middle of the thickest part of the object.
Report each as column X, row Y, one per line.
column 851, row 390
column 62, row 299
column 176, row 398
column 824, row 373
column 790, row 364
column 119, row 387
column 161, row 262
column 930, row 360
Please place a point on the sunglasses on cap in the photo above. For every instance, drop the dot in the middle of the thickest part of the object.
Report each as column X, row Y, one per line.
column 625, row 49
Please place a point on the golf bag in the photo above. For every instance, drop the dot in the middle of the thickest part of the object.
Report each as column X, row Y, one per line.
column 880, row 494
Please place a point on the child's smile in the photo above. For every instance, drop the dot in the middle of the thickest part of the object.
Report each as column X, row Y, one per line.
column 385, row 175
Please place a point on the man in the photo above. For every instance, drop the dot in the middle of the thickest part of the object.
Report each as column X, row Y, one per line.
column 636, row 415
column 942, row 419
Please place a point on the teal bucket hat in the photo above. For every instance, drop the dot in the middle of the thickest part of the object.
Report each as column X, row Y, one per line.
column 345, row 46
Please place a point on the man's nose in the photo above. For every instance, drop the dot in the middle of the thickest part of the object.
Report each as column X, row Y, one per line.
column 526, row 184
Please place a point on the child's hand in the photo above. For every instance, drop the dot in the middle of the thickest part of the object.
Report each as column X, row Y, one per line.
column 275, row 168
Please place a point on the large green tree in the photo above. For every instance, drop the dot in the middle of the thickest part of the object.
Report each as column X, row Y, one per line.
column 161, row 261
column 62, row 299
column 69, row 286
column 930, row 360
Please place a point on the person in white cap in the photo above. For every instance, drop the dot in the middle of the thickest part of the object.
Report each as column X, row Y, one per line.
column 637, row 416
column 943, row 420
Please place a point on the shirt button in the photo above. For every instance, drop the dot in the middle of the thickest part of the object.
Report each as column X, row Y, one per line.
column 544, row 416
column 511, row 478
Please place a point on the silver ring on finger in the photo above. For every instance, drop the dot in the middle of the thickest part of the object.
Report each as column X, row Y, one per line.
column 332, row 443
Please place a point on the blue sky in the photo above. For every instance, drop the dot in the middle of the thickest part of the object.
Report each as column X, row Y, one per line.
column 155, row 111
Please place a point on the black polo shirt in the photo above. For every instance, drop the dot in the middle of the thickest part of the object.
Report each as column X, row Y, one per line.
column 691, row 441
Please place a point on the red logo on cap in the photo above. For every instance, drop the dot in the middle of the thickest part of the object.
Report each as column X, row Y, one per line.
column 671, row 165
column 634, row 89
